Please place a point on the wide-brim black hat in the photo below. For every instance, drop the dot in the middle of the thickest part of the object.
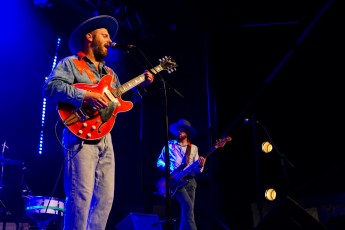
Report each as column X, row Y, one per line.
column 101, row 21
column 182, row 123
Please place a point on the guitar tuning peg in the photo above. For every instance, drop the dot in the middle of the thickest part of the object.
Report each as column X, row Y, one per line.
column 171, row 70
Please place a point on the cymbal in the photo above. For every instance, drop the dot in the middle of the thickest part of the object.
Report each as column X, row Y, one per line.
column 7, row 161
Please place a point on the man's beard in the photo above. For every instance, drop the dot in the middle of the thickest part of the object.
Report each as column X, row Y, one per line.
column 98, row 52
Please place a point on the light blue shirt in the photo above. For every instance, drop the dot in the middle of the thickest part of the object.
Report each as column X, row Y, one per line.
column 177, row 155
column 59, row 87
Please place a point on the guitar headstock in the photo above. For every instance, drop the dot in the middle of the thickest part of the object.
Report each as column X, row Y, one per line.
column 167, row 63
column 221, row 142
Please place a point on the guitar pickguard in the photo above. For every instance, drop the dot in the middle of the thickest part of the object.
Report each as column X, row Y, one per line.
column 106, row 113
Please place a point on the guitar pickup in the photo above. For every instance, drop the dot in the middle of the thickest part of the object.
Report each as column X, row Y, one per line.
column 111, row 97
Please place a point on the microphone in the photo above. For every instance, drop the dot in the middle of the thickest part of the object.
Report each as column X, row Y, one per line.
column 115, row 45
column 248, row 120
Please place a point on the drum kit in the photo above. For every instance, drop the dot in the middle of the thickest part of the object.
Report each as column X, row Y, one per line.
column 41, row 209
column 44, row 209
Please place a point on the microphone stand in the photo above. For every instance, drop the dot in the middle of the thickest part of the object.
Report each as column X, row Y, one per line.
column 4, row 146
column 4, row 210
column 168, row 213
column 256, row 156
column 169, row 221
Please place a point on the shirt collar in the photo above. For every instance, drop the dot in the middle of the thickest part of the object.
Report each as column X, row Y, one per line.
column 102, row 66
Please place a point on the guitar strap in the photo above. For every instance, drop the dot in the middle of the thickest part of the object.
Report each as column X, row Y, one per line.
column 188, row 152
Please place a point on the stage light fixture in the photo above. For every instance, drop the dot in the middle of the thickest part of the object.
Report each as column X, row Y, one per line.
column 270, row 194
column 266, row 147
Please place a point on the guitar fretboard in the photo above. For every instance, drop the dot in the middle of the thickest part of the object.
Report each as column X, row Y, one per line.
column 134, row 82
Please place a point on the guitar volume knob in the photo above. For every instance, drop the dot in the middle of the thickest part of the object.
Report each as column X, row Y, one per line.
column 88, row 135
column 84, row 124
column 80, row 132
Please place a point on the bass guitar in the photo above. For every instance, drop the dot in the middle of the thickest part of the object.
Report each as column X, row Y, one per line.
column 89, row 124
column 178, row 178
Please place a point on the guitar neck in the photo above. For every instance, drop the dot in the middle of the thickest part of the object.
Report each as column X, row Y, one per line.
column 210, row 151
column 190, row 167
column 134, row 82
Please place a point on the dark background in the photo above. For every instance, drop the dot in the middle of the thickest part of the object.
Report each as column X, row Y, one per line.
column 277, row 63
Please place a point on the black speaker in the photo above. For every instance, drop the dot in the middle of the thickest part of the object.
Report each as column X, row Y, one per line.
column 289, row 215
column 140, row 221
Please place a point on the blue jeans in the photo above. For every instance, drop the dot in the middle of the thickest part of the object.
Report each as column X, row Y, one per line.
column 186, row 198
column 89, row 182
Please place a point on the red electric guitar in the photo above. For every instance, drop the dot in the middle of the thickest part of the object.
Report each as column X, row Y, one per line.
column 177, row 178
column 89, row 124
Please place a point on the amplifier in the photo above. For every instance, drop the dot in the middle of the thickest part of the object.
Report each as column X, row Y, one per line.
column 140, row 221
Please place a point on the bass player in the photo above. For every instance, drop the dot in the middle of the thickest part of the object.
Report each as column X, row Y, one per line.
column 182, row 153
